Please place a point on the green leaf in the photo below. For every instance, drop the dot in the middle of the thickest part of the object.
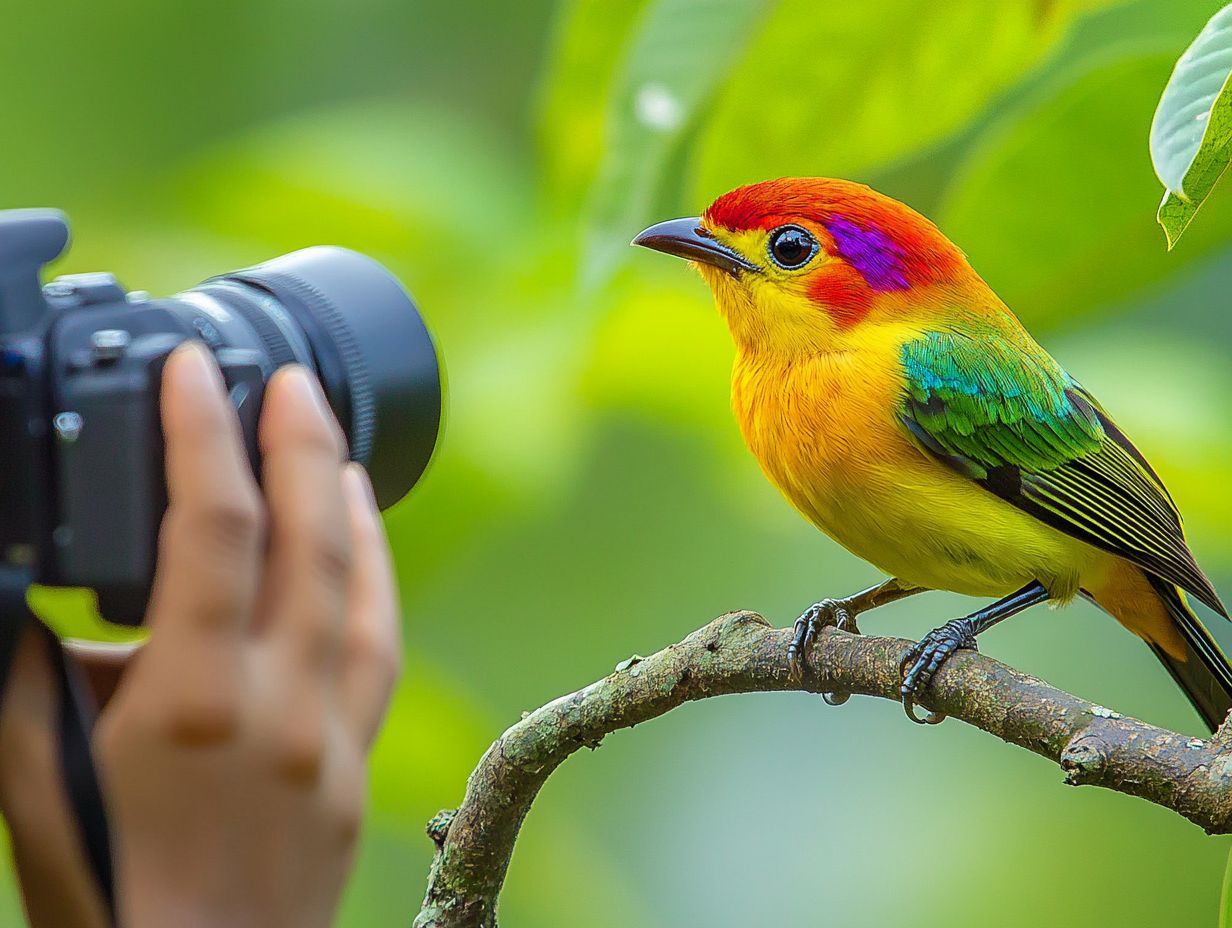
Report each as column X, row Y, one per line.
column 1191, row 135
column 1048, row 206
column 1175, row 215
column 904, row 74
column 1192, row 118
column 679, row 53
column 1177, row 212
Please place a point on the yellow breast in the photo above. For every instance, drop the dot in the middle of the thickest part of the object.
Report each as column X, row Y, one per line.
column 825, row 431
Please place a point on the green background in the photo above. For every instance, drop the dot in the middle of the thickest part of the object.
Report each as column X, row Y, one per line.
column 591, row 498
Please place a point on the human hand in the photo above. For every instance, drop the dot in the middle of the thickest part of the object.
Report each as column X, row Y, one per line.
column 57, row 886
column 233, row 753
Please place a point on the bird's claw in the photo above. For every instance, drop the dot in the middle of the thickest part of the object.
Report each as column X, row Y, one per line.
column 921, row 661
column 817, row 616
column 801, row 637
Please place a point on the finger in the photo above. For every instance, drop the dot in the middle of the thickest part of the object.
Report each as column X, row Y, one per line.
column 372, row 640
column 210, row 544
column 57, row 885
column 210, row 552
column 310, row 550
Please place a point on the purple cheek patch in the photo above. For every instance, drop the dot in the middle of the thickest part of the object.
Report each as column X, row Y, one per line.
column 871, row 252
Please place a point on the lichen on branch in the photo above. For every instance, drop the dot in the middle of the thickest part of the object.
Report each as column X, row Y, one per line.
column 742, row 653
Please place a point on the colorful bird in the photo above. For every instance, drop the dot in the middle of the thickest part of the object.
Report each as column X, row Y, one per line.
column 902, row 408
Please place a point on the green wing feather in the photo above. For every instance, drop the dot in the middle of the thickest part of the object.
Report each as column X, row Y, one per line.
column 1004, row 413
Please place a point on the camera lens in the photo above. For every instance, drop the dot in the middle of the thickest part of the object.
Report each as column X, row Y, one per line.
column 345, row 316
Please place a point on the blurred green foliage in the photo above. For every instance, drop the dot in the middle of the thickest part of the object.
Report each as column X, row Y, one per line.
column 591, row 498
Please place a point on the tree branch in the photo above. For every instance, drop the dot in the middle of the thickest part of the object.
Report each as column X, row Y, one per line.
column 742, row 653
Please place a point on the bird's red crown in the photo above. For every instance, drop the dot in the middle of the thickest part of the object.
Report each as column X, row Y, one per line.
column 888, row 244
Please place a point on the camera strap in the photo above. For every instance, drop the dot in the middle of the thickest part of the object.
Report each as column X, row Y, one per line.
column 76, row 719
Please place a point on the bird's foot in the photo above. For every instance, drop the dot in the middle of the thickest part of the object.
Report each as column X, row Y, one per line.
column 922, row 659
column 836, row 612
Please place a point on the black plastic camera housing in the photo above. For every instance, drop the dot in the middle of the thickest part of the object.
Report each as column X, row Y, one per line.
column 82, row 489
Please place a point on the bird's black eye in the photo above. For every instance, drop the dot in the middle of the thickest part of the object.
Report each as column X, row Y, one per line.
column 792, row 247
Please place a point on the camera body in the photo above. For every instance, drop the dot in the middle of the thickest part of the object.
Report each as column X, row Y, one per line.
column 85, row 394
column 82, row 489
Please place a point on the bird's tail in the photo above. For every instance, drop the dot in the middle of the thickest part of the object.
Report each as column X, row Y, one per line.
column 1205, row 674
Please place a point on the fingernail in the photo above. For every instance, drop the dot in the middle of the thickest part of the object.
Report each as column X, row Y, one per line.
column 358, row 486
column 193, row 365
column 301, row 382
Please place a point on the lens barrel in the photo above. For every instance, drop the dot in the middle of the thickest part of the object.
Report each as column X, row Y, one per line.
column 347, row 317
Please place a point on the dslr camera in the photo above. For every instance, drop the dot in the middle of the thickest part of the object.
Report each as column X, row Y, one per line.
column 82, row 488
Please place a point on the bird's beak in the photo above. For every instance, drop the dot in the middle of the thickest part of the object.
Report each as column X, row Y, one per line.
column 688, row 238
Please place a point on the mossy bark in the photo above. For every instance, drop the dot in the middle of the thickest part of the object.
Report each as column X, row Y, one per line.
column 742, row 653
